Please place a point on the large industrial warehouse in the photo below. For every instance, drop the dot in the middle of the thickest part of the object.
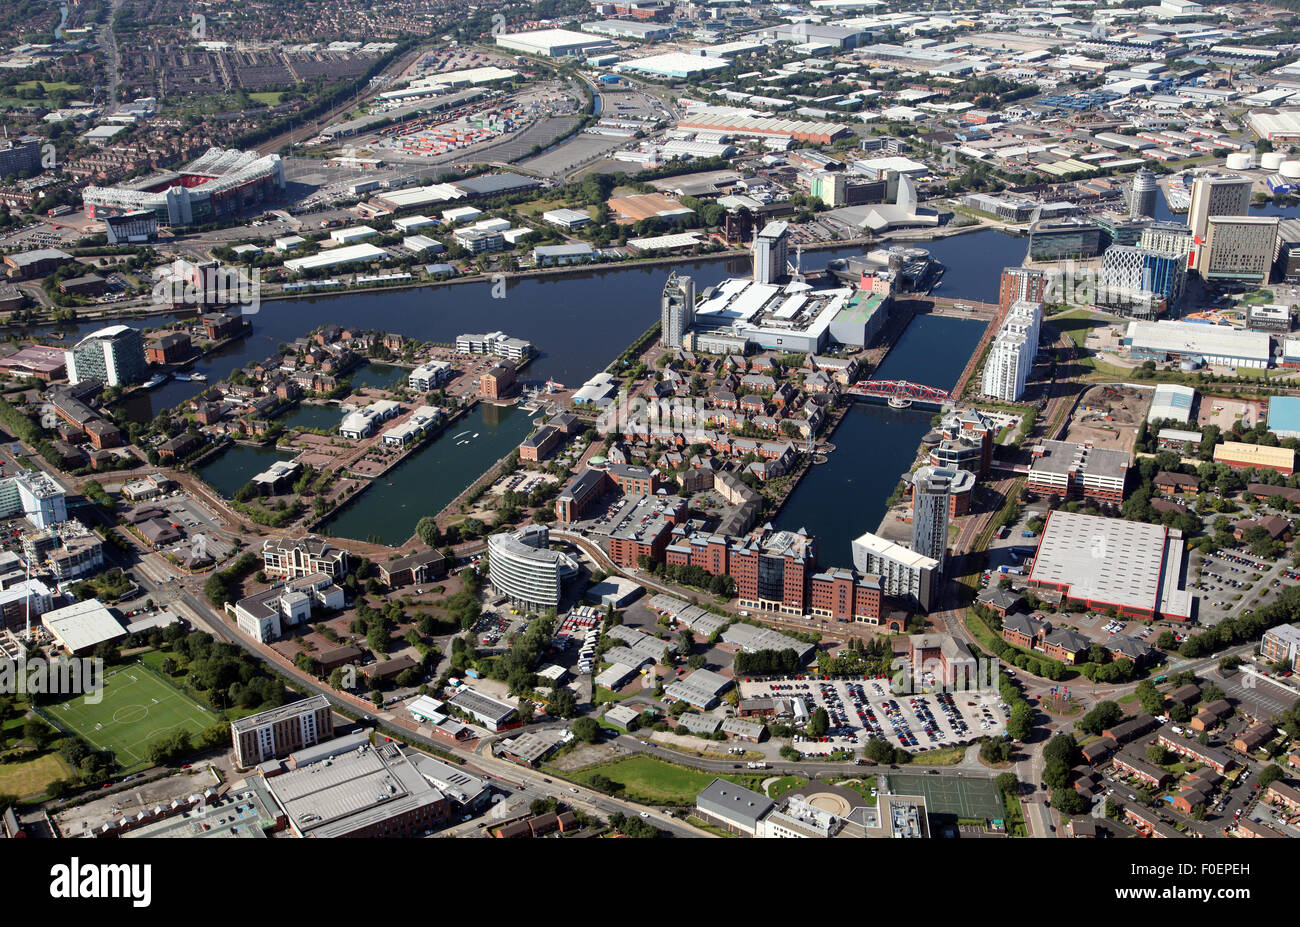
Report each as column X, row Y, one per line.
column 1212, row 344
column 1134, row 568
column 553, row 43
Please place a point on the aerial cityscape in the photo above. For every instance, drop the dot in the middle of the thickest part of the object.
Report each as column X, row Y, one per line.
column 649, row 419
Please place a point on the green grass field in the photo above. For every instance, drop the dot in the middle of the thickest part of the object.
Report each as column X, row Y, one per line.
column 137, row 708
column 31, row 778
column 785, row 784
column 49, row 85
column 653, row 781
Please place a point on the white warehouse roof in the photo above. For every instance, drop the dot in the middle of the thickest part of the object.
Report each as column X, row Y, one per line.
column 350, row 254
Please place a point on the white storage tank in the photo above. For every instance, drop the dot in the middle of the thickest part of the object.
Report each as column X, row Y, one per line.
column 1270, row 160
column 1240, row 161
column 1290, row 170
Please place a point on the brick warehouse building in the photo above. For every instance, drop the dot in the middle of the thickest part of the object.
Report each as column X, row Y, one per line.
column 649, row 539
column 589, row 486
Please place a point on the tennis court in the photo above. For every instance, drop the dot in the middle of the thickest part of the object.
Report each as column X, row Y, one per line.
column 963, row 796
column 138, row 707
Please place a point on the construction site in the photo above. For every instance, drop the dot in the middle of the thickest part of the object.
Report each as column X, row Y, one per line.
column 1108, row 417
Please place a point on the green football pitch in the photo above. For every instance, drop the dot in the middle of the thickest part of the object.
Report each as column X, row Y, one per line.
column 137, row 708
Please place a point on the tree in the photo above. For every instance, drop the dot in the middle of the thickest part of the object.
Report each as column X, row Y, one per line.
column 1157, row 754
column 586, row 730
column 995, row 750
column 540, row 806
column 878, row 750
column 1061, row 747
column 564, row 704
column 37, row 731
column 1153, row 703
column 1021, row 723
column 1007, row 782
column 1056, row 775
column 1103, row 716
column 1068, row 801
column 819, row 724
column 427, row 530
column 1270, row 774
column 169, row 747
column 378, row 639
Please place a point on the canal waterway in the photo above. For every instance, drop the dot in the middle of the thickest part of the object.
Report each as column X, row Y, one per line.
column 232, row 468
column 432, row 477
column 579, row 323
column 875, row 445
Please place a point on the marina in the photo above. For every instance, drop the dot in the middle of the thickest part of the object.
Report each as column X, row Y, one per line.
column 876, row 443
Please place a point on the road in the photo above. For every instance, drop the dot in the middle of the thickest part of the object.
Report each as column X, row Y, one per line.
column 174, row 592
column 113, row 61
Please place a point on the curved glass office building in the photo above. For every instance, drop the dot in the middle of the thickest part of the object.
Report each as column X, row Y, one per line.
column 527, row 572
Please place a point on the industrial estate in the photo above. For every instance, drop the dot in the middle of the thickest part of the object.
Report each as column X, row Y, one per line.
column 829, row 419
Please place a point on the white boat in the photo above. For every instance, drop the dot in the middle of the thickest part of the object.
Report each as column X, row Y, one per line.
column 459, row 443
column 200, row 377
column 461, row 435
column 158, row 379
column 475, row 435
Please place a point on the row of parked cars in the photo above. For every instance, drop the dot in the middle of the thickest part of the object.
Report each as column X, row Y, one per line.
column 866, row 716
column 902, row 730
column 948, row 705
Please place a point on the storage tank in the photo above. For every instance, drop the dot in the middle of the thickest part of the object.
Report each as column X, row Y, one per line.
column 1290, row 170
column 1240, row 161
column 1270, row 160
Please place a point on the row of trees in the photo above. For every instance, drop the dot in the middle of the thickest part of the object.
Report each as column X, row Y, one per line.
column 1237, row 629
column 767, row 663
